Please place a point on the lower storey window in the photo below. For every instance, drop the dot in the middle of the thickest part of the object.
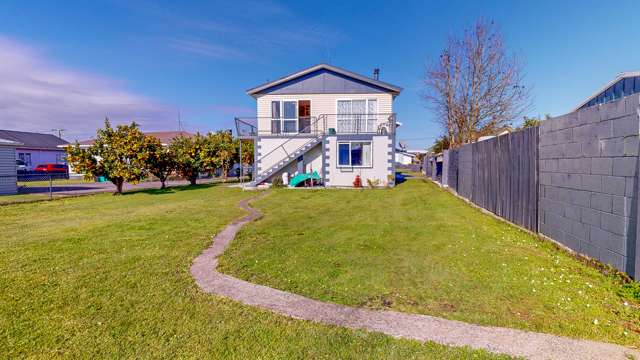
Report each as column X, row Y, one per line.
column 25, row 157
column 354, row 153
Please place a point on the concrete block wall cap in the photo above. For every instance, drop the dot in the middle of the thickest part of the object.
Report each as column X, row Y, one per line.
column 631, row 146
column 625, row 166
column 613, row 109
column 612, row 147
column 632, row 104
column 626, row 126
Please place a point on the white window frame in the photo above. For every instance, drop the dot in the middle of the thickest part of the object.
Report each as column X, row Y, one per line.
column 367, row 114
column 26, row 158
column 282, row 118
column 349, row 142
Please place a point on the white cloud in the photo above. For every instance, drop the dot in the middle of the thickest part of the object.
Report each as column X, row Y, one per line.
column 37, row 95
column 205, row 48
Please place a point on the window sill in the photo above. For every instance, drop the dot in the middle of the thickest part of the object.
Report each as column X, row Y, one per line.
column 355, row 167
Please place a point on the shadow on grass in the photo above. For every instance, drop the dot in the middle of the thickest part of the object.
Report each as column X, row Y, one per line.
column 176, row 188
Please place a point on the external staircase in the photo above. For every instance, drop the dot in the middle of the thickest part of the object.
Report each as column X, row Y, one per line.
column 264, row 175
column 313, row 133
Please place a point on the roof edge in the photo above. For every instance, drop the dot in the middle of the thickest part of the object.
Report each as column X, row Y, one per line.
column 392, row 88
column 620, row 76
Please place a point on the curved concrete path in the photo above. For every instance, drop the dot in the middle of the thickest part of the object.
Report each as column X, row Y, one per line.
column 401, row 325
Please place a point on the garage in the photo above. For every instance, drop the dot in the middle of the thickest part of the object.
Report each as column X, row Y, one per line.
column 8, row 179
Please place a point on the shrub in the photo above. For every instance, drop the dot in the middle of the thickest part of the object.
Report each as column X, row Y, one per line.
column 630, row 291
column 373, row 183
column 277, row 182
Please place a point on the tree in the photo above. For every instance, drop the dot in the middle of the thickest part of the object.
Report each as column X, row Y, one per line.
column 189, row 156
column 160, row 161
column 221, row 151
column 533, row 121
column 247, row 152
column 118, row 154
column 476, row 86
column 441, row 144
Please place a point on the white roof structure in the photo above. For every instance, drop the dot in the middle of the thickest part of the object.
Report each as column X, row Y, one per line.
column 622, row 75
column 5, row 142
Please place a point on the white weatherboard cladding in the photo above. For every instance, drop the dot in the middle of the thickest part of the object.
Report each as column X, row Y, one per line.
column 8, row 170
column 273, row 150
column 344, row 176
column 312, row 162
column 321, row 104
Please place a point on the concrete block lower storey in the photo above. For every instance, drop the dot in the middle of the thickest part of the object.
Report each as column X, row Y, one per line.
column 373, row 165
column 591, row 240
column 592, row 214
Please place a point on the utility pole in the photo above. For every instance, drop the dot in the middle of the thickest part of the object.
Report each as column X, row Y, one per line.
column 59, row 131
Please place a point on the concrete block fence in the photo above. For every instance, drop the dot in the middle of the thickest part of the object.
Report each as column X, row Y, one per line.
column 588, row 193
column 587, row 181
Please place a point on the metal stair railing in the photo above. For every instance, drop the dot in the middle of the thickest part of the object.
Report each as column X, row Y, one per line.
column 317, row 127
column 287, row 160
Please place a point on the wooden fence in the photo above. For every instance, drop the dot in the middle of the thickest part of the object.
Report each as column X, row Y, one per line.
column 500, row 175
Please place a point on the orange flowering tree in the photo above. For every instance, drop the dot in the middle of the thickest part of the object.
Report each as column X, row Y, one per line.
column 119, row 154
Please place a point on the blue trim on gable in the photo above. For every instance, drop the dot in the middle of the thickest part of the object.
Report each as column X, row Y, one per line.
column 324, row 81
column 347, row 137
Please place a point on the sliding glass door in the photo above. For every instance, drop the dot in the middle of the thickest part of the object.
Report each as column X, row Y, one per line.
column 357, row 116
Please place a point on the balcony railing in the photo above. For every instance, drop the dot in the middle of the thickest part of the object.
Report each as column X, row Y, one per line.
column 378, row 123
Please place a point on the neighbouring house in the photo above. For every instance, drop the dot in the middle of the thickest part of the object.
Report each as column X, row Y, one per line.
column 327, row 120
column 165, row 137
column 36, row 148
column 403, row 157
column 8, row 175
column 412, row 156
column 625, row 84
column 487, row 137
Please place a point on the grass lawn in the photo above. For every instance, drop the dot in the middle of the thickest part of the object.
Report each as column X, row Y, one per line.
column 54, row 182
column 108, row 276
column 10, row 199
column 419, row 249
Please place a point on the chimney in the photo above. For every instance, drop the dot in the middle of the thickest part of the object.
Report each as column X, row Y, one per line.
column 376, row 74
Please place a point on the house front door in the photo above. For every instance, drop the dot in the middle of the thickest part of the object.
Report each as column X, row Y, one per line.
column 304, row 116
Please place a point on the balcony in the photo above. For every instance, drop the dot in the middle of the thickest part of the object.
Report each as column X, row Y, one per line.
column 324, row 124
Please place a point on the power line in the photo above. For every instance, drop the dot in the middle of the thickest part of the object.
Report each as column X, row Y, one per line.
column 420, row 138
column 59, row 131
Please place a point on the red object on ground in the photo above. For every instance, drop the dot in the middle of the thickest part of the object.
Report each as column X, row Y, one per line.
column 52, row 168
column 357, row 183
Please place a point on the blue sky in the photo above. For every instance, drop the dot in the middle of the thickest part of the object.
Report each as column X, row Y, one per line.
column 67, row 65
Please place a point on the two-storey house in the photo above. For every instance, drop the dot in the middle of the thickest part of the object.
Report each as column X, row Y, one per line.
column 327, row 120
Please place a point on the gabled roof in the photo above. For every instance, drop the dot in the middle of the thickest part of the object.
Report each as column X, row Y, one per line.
column 165, row 137
column 622, row 75
column 391, row 88
column 33, row 140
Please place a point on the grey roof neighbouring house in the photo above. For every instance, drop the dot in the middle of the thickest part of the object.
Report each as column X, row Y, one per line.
column 324, row 78
column 33, row 140
column 165, row 137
